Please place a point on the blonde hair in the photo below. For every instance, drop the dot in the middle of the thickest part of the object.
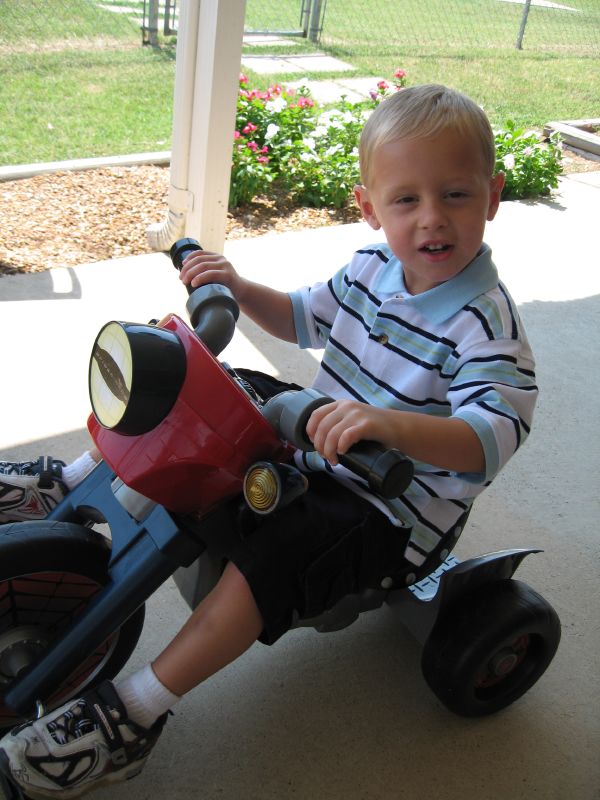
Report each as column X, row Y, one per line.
column 424, row 112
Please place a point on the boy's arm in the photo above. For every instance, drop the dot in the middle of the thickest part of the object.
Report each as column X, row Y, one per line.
column 269, row 308
column 447, row 443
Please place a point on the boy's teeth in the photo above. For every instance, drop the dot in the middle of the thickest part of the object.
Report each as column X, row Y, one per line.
column 435, row 246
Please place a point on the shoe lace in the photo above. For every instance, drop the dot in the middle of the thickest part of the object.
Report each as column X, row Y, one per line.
column 73, row 724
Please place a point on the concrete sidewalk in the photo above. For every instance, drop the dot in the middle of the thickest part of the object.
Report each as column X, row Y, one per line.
column 347, row 715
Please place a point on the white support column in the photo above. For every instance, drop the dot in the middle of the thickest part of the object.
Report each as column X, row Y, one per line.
column 213, row 118
column 209, row 49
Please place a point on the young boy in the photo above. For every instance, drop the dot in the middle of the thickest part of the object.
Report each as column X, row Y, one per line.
column 423, row 352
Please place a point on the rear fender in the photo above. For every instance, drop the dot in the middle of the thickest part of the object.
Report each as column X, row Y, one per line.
column 420, row 605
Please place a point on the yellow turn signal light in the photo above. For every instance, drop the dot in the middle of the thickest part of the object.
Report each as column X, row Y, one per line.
column 268, row 486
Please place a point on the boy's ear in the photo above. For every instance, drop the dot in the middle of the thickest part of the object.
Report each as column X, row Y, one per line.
column 496, row 187
column 361, row 195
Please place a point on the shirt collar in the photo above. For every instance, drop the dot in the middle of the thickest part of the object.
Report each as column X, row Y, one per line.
column 443, row 301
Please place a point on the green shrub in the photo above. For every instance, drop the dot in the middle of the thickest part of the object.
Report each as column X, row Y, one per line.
column 531, row 165
column 283, row 138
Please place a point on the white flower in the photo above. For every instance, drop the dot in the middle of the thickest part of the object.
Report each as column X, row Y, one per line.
column 336, row 148
column 308, row 157
column 276, row 105
column 319, row 131
column 325, row 118
column 509, row 161
column 309, row 142
column 272, row 130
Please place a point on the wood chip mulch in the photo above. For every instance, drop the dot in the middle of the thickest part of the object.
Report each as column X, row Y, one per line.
column 68, row 218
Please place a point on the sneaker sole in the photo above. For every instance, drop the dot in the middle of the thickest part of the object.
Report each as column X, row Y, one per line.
column 12, row 791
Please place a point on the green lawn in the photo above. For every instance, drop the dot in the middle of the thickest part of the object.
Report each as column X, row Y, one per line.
column 76, row 82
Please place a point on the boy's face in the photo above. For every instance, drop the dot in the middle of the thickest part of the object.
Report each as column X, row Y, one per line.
column 432, row 197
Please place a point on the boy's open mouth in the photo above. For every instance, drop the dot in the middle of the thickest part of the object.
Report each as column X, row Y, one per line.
column 435, row 248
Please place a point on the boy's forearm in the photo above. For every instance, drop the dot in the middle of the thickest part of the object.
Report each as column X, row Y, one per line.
column 269, row 308
column 447, row 443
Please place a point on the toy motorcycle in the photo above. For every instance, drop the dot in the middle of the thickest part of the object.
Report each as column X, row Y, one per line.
column 186, row 440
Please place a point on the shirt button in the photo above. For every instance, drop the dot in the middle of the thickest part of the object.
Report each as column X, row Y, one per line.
column 383, row 338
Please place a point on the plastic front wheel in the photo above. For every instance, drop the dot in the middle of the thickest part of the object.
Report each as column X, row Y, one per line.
column 49, row 572
column 489, row 648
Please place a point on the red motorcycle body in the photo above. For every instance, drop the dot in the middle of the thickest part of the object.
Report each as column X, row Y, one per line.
column 198, row 455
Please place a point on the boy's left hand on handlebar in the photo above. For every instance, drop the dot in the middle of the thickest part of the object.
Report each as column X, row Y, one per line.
column 202, row 267
column 335, row 427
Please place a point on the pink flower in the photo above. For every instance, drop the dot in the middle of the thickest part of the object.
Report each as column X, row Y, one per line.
column 253, row 146
column 237, row 135
column 243, row 78
column 305, row 102
column 250, row 128
column 383, row 85
column 264, row 149
column 262, row 160
column 400, row 73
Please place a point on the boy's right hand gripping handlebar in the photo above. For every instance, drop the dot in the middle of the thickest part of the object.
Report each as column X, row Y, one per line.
column 212, row 309
column 387, row 472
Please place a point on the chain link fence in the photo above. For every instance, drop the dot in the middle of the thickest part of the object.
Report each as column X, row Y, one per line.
column 351, row 27
column 358, row 26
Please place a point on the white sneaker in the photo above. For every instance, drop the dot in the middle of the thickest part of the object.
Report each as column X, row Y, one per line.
column 80, row 746
column 30, row 489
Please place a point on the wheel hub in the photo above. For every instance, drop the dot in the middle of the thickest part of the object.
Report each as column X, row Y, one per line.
column 20, row 647
column 503, row 663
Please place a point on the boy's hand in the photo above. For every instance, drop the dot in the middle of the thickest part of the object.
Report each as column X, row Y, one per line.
column 335, row 427
column 202, row 267
column 270, row 309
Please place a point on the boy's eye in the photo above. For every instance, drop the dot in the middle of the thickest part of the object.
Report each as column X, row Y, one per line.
column 456, row 194
column 406, row 199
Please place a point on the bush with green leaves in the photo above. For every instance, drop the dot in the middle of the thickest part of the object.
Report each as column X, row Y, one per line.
column 322, row 169
column 282, row 137
column 531, row 164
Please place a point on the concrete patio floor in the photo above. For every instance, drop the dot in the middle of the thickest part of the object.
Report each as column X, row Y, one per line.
column 347, row 716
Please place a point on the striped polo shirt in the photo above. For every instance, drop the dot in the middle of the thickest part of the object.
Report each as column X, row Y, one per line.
column 457, row 350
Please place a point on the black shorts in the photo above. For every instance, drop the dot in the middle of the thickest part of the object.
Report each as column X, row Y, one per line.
column 303, row 560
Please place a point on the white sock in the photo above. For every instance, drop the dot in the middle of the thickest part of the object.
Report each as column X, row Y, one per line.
column 145, row 697
column 77, row 470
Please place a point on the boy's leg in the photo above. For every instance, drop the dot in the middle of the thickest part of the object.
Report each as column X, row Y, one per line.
column 225, row 624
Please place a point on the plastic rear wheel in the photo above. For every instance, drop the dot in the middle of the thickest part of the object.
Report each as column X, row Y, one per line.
column 490, row 647
column 49, row 572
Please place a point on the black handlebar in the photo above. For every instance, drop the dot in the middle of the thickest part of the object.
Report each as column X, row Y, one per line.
column 212, row 309
column 388, row 472
column 180, row 251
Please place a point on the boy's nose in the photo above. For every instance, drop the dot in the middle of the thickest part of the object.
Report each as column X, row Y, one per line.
column 432, row 215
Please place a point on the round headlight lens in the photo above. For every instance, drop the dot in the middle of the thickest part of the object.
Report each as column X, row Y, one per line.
column 136, row 373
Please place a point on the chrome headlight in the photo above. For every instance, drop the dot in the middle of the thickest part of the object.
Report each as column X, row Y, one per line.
column 135, row 375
